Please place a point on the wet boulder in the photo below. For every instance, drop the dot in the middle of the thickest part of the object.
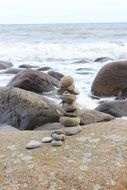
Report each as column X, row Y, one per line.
column 111, row 79
column 5, row 65
column 102, row 59
column 25, row 110
column 44, row 68
column 55, row 74
column 12, row 71
column 35, row 81
column 116, row 108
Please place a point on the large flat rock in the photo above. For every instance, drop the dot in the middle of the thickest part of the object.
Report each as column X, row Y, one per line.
column 94, row 159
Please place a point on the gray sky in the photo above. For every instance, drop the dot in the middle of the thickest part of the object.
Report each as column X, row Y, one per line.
column 62, row 11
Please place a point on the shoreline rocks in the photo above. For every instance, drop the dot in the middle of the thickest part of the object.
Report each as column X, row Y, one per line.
column 111, row 79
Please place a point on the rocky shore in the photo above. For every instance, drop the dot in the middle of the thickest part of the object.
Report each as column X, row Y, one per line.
column 50, row 146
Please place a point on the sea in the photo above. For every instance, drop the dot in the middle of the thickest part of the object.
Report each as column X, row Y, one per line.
column 71, row 49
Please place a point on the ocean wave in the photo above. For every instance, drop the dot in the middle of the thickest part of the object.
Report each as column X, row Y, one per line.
column 39, row 52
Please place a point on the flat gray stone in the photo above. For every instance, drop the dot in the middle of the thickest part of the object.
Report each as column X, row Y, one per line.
column 33, row 144
column 46, row 139
column 72, row 130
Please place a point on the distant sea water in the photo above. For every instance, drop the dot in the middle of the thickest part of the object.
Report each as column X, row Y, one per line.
column 70, row 49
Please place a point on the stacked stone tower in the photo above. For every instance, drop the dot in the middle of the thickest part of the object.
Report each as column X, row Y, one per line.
column 67, row 93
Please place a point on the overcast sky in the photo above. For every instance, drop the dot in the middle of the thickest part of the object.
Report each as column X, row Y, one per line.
column 62, row 11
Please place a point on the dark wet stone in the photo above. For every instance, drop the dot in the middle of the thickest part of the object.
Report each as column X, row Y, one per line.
column 5, row 65
column 44, row 68
column 27, row 66
column 55, row 74
column 12, row 71
column 103, row 59
column 35, row 81
column 117, row 108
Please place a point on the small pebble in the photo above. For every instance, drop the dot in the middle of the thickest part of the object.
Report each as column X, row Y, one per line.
column 46, row 139
column 56, row 143
column 60, row 132
column 33, row 144
column 58, row 137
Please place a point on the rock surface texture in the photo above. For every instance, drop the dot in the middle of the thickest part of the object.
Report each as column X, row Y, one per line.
column 94, row 159
column 111, row 79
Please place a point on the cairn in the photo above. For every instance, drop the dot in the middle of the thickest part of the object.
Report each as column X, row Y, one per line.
column 67, row 93
column 69, row 118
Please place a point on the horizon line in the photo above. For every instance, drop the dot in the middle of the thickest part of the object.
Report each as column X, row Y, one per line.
column 113, row 22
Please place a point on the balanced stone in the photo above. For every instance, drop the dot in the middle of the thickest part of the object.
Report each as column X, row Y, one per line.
column 58, row 137
column 72, row 113
column 58, row 132
column 69, row 121
column 68, row 107
column 68, row 97
column 66, row 81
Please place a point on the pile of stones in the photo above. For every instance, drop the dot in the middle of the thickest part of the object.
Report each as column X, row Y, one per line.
column 56, row 138
column 67, row 93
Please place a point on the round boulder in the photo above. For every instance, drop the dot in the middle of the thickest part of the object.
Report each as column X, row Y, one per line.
column 111, row 79
column 35, row 81
column 116, row 108
column 26, row 110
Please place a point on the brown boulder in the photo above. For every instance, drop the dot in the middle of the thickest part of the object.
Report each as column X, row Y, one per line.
column 111, row 79
column 34, row 81
column 92, row 116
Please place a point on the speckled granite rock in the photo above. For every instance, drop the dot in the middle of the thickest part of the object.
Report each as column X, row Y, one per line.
column 94, row 158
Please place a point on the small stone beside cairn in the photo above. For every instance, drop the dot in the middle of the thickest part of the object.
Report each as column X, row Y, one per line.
column 67, row 93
